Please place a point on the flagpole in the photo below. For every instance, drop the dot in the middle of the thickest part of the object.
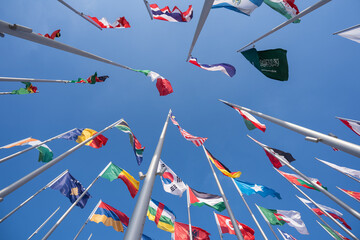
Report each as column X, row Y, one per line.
column 12, row 187
column 90, row 236
column 321, row 208
column 302, row 13
column 231, row 215
column 87, row 220
column 272, row 230
column 7, row 93
column 316, row 186
column 348, row 175
column 31, row 197
column 37, row 230
column 32, row 147
column 13, row 79
column 80, row 14
column 148, row 9
column 347, row 29
column 281, row 234
column 204, row 14
column 347, row 193
column 137, row 220
column 251, row 213
column 188, row 208
column 218, row 225
column 73, row 205
column 27, row 34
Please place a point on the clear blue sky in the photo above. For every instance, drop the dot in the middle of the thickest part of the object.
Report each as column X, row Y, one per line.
column 323, row 83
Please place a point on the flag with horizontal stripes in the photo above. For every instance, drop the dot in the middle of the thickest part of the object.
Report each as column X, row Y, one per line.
column 161, row 215
column 297, row 180
column 223, row 169
column 285, row 235
column 345, row 170
column 223, row 67
column 200, row 199
column 333, row 233
column 120, row 22
column 176, row 15
column 250, row 121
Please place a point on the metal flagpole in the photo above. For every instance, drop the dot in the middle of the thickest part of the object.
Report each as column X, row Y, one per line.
column 302, row 13
column 137, row 220
column 348, row 175
column 319, row 207
column 12, row 79
column 272, row 230
column 7, row 93
column 281, row 234
column 37, row 230
column 73, row 205
column 204, row 14
column 148, row 9
column 90, row 236
column 347, row 194
column 26, row 33
column 251, row 213
column 231, row 215
column 12, row 187
column 80, row 14
column 337, row 234
column 218, row 226
column 27, row 200
column 32, row 147
column 316, row 186
column 188, row 208
column 311, row 135
column 347, row 29
column 87, row 220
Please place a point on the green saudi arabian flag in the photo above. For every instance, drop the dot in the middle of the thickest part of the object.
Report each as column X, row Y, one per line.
column 272, row 63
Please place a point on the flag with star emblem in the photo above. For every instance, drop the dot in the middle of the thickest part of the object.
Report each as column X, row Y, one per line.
column 225, row 225
column 353, row 194
column 71, row 188
column 253, row 188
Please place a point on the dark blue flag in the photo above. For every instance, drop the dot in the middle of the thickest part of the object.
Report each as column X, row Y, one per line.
column 73, row 135
column 71, row 188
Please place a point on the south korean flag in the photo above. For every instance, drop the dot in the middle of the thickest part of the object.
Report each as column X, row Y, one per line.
column 170, row 181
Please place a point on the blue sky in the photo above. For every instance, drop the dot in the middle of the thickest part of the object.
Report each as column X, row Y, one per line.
column 323, row 83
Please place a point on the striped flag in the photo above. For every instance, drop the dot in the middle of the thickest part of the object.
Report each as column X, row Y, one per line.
column 353, row 194
column 250, row 121
column 223, row 67
column 352, row 124
column 176, row 15
column 297, row 180
column 103, row 23
column 223, row 169
column 285, row 235
column 200, row 199
column 161, row 215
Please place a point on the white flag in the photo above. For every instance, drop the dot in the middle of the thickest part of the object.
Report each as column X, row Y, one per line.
column 293, row 218
column 170, row 181
column 352, row 33
column 352, row 172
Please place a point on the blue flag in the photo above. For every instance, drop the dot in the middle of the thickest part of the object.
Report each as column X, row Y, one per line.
column 253, row 188
column 71, row 188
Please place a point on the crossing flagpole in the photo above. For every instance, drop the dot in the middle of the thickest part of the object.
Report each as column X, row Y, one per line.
column 231, row 215
column 32, row 147
column 188, row 208
column 330, row 165
column 272, row 230
column 12, row 187
column 137, row 220
column 309, row 134
column 73, row 205
column 31, row 197
column 251, row 213
column 302, row 13
column 37, row 230
column 13, row 79
column 316, row 186
column 218, row 226
column 87, row 220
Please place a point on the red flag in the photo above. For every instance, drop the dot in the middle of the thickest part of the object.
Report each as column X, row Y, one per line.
column 226, row 226
column 164, row 87
column 182, row 232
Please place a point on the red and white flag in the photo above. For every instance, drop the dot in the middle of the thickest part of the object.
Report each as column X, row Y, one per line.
column 103, row 23
column 352, row 124
column 226, row 226
column 252, row 120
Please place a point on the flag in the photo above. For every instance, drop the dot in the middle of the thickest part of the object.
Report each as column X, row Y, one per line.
column 81, row 134
column 161, row 215
column 223, row 67
column 29, row 88
column 353, row 194
column 103, row 23
column 198, row 141
column 272, row 63
column 92, row 79
column 199, row 199
column 182, row 232
column 138, row 149
column 352, row 124
column 242, row 6
column 226, row 226
column 334, row 213
column 297, row 180
column 110, row 216
column 176, row 15
column 114, row 172
column 287, row 8
column 253, row 188
column 45, row 153
column 163, row 85
column 354, row 173
column 280, row 217
column 170, row 181
column 54, row 35
column 333, row 233
column 285, row 235
column 221, row 166
column 250, row 121
column 71, row 188
column 352, row 33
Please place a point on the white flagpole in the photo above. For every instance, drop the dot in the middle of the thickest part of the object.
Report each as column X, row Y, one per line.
column 90, row 236
column 272, row 230
column 251, row 213
column 281, row 234
column 346, row 174
column 347, row 29
column 218, row 226
column 12, row 187
column 302, row 13
column 148, row 9
column 7, row 93
column 13, row 79
column 31, row 197
column 188, row 208
column 73, row 205
column 231, row 215
column 37, row 230
column 32, row 147
column 87, row 220
column 347, row 193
